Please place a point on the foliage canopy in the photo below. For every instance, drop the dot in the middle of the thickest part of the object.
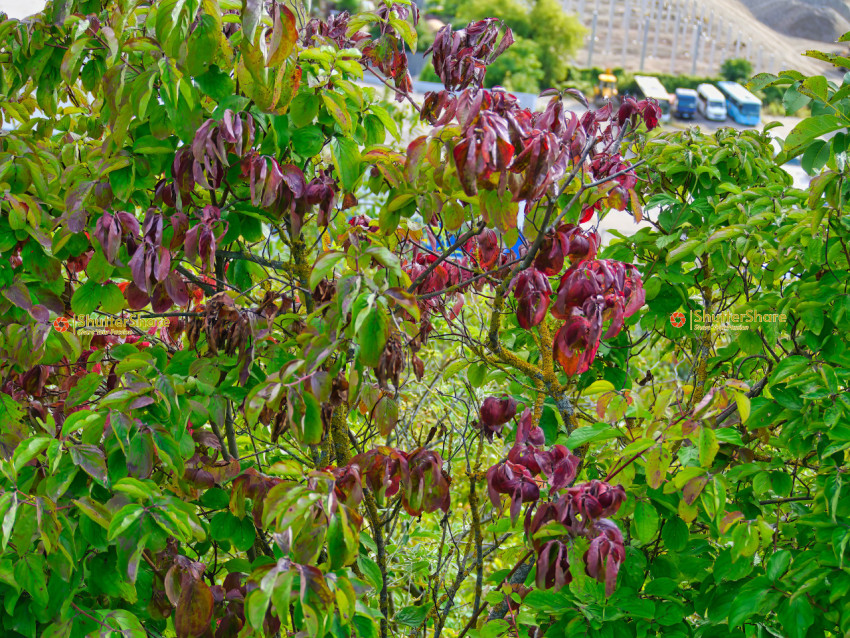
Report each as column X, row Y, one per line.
column 360, row 412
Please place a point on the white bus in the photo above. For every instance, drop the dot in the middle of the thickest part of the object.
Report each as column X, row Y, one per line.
column 650, row 87
column 711, row 102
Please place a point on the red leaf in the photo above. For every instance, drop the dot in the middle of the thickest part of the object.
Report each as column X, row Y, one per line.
column 194, row 610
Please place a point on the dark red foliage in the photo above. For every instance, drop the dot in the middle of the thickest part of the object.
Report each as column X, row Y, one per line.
column 553, row 566
column 527, row 432
column 489, row 248
column 321, row 192
column 460, row 57
column 213, row 142
column 567, row 241
column 497, row 411
column 558, row 464
column 494, row 413
column 251, row 484
column 605, row 555
column 426, row 485
column 151, row 261
column 384, row 53
column 580, row 511
column 276, row 187
column 334, row 29
column 348, row 487
column 590, row 294
column 201, row 240
column 385, row 470
column 597, row 499
column 532, row 291
column 111, row 230
column 516, row 481
column 633, row 111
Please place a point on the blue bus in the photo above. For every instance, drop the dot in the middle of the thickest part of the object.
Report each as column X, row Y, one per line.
column 686, row 104
column 743, row 106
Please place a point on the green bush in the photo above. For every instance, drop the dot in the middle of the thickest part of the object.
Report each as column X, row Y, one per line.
column 518, row 69
column 737, row 70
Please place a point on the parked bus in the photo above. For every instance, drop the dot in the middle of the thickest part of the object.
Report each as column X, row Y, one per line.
column 686, row 104
column 711, row 103
column 650, row 87
column 743, row 106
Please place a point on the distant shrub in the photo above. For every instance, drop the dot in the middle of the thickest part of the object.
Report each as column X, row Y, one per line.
column 737, row 70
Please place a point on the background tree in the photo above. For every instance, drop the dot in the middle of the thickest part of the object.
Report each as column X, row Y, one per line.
column 736, row 70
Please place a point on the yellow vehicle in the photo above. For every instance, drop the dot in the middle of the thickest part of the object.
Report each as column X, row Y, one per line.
column 606, row 89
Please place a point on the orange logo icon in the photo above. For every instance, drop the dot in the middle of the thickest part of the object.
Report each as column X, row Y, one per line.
column 677, row 319
column 61, row 324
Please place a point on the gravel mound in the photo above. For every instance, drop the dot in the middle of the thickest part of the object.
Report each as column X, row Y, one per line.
column 822, row 20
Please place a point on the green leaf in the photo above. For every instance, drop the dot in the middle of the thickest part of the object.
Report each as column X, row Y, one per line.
column 371, row 571
column 91, row 460
column 30, row 573
column 646, row 522
column 386, row 415
column 72, row 60
column 335, row 104
column 476, row 373
column 778, row 564
column 729, row 435
column 324, row 266
column 309, row 425
column 591, row 433
column 386, row 119
column 708, row 446
column 675, row 534
column 307, row 141
column 412, row 616
column 788, row 367
column 304, row 109
column 807, row 130
column 99, row 269
column 746, row 604
column 252, row 13
column 256, row 605
column 8, row 513
column 796, row 616
column 498, row 210
column 28, row 450
column 84, row 389
column 682, row 251
column 346, row 157
column 123, row 519
column 405, row 30
column 373, row 335
column 86, row 298
column 95, row 511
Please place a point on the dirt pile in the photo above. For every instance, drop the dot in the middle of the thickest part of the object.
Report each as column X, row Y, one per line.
column 822, row 20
